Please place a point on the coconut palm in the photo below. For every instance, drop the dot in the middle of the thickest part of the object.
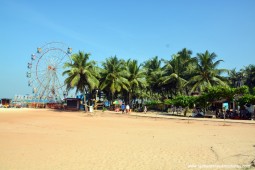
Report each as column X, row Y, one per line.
column 176, row 71
column 114, row 76
column 82, row 74
column 136, row 77
column 171, row 77
column 249, row 76
column 153, row 73
column 185, row 63
column 236, row 78
column 206, row 74
column 185, row 56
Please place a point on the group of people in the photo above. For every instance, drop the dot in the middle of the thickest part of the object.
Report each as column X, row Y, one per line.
column 230, row 114
column 246, row 113
column 126, row 108
column 175, row 109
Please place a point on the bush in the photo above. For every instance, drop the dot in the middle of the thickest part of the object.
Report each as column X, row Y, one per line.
column 104, row 109
column 247, row 98
column 184, row 101
column 154, row 104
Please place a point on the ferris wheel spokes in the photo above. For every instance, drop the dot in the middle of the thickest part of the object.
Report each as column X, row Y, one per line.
column 45, row 70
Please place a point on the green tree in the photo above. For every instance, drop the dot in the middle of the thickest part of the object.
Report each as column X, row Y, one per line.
column 236, row 78
column 153, row 73
column 177, row 71
column 114, row 76
column 136, row 78
column 247, row 98
column 249, row 76
column 216, row 93
column 82, row 74
column 172, row 75
column 206, row 74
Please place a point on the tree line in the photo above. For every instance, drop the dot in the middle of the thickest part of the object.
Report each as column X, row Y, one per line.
column 155, row 79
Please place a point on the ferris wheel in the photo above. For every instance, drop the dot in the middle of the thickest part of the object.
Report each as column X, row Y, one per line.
column 45, row 71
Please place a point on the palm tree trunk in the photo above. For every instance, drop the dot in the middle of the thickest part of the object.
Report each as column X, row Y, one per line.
column 85, row 103
column 129, row 99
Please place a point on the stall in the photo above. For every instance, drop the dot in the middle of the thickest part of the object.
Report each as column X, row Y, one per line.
column 72, row 103
column 5, row 102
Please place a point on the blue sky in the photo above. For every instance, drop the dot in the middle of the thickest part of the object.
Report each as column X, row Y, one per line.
column 129, row 29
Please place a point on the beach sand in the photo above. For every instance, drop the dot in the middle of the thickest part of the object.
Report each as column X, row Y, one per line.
column 41, row 139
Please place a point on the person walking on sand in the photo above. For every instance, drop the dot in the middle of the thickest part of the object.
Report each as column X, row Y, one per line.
column 127, row 108
column 145, row 109
column 123, row 107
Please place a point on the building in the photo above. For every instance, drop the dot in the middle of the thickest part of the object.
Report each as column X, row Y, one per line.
column 72, row 103
column 5, row 102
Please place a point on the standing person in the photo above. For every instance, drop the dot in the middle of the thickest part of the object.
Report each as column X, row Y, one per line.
column 173, row 109
column 180, row 109
column 145, row 109
column 127, row 108
column 123, row 107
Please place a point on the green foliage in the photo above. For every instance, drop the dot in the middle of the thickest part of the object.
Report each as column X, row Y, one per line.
column 104, row 109
column 153, row 102
column 247, row 98
column 249, row 76
column 184, row 101
column 206, row 74
column 223, row 92
column 168, row 102
column 114, row 76
column 136, row 78
column 81, row 73
column 153, row 71
column 219, row 92
column 242, row 90
column 158, row 79
column 202, row 101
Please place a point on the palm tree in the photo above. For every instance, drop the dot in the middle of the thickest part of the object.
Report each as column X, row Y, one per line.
column 136, row 77
column 249, row 73
column 186, row 66
column 206, row 73
column 114, row 76
column 236, row 78
column 176, row 71
column 153, row 73
column 171, row 77
column 185, row 57
column 82, row 74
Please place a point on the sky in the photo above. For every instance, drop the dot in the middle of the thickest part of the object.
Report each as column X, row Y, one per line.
column 129, row 29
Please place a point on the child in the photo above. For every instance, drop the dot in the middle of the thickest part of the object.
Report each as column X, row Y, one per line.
column 127, row 108
column 123, row 107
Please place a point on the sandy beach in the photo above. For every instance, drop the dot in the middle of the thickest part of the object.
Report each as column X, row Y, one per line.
column 41, row 139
